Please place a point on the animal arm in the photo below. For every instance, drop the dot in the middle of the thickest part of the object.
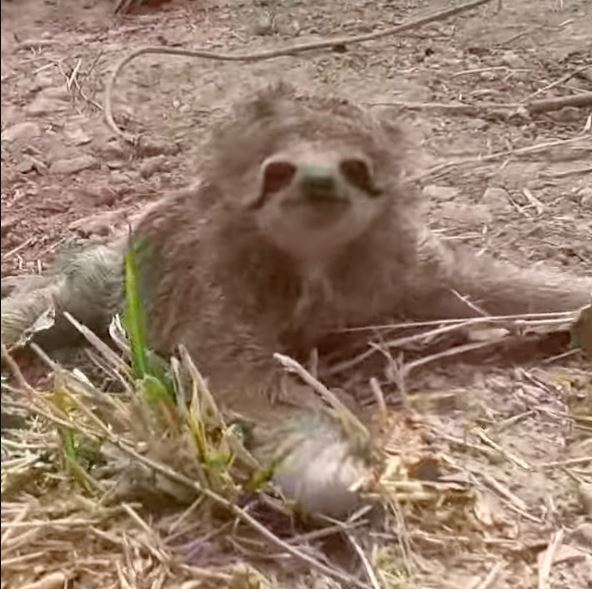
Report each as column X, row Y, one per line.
column 471, row 285
column 502, row 289
column 89, row 288
column 269, row 54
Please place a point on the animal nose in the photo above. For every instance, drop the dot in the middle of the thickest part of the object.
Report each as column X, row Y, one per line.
column 318, row 184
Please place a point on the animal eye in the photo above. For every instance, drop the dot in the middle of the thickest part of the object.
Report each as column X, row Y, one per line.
column 358, row 173
column 277, row 175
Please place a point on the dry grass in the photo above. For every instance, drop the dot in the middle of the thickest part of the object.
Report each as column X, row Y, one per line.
column 131, row 490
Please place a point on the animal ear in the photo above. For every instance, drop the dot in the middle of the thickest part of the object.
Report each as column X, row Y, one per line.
column 396, row 132
column 265, row 103
column 400, row 139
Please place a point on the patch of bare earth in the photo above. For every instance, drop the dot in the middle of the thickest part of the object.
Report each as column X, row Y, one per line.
column 510, row 439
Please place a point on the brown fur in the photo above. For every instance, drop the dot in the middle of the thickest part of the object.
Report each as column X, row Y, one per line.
column 219, row 277
column 218, row 285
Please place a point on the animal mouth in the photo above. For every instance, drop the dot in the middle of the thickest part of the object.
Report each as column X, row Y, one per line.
column 323, row 207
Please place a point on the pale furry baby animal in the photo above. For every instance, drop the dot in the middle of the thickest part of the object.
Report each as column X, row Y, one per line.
column 299, row 224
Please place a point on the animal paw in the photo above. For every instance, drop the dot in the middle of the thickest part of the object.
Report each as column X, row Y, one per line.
column 315, row 465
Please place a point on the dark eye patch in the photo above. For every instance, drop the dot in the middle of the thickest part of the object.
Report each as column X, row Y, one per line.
column 277, row 175
column 357, row 171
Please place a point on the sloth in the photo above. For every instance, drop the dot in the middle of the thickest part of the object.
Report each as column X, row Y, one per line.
column 300, row 223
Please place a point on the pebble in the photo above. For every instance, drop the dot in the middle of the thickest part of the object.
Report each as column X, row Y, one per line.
column 512, row 59
column 440, row 192
column 461, row 214
column 98, row 224
column 73, row 165
column 28, row 164
column 50, row 581
column 76, row 135
column 496, row 199
column 23, row 131
column 152, row 146
column 56, row 92
column 154, row 165
column 585, row 496
column 583, row 534
column 263, row 27
column 114, row 150
column 585, row 196
column 42, row 105
column 7, row 225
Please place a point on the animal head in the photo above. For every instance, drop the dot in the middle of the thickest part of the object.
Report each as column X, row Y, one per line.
column 311, row 173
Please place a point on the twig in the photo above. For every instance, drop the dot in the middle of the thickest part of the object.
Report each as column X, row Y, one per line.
column 70, row 80
column 407, row 368
column 511, row 457
column 365, row 562
column 512, row 500
column 34, row 43
column 545, row 568
column 570, row 462
column 269, row 54
column 343, row 413
column 583, row 100
column 491, row 577
column 16, row 249
column 378, row 396
column 557, row 82
column 436, row 170
column 510, row 421
column 564, row 173
column 482, row 70
column 495, row 110
column 16, row 372
column 494, row 319
column 446, row 326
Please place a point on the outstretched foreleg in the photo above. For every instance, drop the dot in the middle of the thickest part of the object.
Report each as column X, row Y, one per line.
column 89, row 287
column 464, row 284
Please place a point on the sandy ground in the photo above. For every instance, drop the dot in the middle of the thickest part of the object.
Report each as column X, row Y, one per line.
column 64, row 175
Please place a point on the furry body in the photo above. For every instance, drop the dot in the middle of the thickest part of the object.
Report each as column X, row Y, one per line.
column 235, row 274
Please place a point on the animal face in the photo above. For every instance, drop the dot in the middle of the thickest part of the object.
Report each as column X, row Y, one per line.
column 310, row 174
column 315, row 198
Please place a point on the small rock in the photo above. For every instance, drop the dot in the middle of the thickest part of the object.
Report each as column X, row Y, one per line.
column 24, row 131
column 154, row 165
column 73, row 165
column 149, row 147
column 568, row 114
column 98, row 224
column 585, row 196
column 100, row 195
column 585, row 496
column 50, row 581
column 479, row 124
column 496, row 199
column 56, row 92
column 461, row 214
column 114, row 150
column 7, row 225
column 440, row 192
column 76, row 135
column 263, row 27
column 512, row 60
column 43, row 105
column 28, row 164
column 123, row 178
column 42, row 80
column 583, row 534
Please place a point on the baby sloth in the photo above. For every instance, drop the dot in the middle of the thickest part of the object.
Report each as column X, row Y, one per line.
column 300, row 224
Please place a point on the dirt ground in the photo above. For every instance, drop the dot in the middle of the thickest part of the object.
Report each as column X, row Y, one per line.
column 64, row 176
